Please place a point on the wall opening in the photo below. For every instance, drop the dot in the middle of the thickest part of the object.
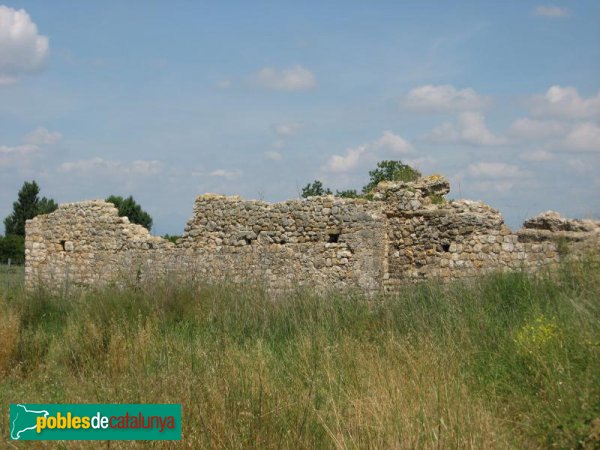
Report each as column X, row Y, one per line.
column 62, row 243
column 333, row 238
column 446, row 247
column 248, row 241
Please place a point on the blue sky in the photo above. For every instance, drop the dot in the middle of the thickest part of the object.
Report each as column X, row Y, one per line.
column 165, row 101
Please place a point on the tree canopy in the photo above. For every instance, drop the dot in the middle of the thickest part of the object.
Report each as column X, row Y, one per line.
column 13, row 248
column 27, row 206
column 390, row 171
column 130, row 208
column 315, row 189
column 348, row 193
column 385, row 171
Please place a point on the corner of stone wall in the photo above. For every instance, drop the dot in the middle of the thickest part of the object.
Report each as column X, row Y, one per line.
column 570, row 238
column 430, row 237
column 86, row 243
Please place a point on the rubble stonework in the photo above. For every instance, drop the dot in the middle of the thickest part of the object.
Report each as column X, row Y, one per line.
column 406, row 233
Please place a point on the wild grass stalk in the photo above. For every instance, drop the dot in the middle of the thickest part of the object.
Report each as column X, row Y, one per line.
column 504, row 361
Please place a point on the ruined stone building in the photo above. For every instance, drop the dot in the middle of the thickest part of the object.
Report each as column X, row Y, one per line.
column 407, row 232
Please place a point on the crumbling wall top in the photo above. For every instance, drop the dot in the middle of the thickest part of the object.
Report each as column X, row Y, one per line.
column 93, row 223
column 553, row 221
column 427, row 186
column 551, row 225
column 405, row 232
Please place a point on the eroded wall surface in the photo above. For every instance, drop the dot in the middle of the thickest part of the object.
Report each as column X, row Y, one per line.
column 324, row 241
column 406, row 233
column 431, row 237
column 87, row 243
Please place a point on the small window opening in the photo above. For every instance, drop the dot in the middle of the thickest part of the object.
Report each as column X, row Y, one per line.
column 446, row 247
column 62, row 243
column 333, row 238
column 248, row 241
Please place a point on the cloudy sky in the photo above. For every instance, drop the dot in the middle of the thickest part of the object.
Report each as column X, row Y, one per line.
column 168, row 100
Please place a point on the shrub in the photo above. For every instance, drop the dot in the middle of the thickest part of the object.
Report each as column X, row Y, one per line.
column 13, row 248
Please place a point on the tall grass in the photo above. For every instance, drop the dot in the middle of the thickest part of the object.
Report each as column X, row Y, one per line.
column 505, row 361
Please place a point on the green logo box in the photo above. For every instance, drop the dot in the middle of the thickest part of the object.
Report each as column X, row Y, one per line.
column 89, row 422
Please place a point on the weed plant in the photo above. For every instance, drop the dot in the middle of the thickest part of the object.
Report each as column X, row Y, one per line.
column 503, row 361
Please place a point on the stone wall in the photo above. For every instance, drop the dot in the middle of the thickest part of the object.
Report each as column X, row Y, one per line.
column 86, row 243
column 431, row 237
column 324, row 241
column 406, row 233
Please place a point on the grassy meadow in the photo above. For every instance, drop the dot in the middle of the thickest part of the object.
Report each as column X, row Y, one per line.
column 504, row 361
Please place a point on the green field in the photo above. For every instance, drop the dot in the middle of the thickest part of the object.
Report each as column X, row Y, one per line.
column 11, row 279
column 505, row 361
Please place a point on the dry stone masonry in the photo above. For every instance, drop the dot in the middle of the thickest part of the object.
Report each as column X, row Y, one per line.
column 407, row 232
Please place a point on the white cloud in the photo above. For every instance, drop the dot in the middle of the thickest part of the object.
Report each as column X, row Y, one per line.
column 565, row 102
column 584, row 137
column 492, row 177
column 279, row 144
column 550, row 11
column 296, row 78
column 392, row 142
column 499, row 186
column 22, row 49
column 443, row 98
column 97, row 164
column 273, row 155
column 537, row 155
column 17, row 155
column 422, row 162
column 470, row 129
column 144, row 167
column 389, row 143
column 228, row 174
column 19, row 149
column 532, row 129
column 41, row 136
column 579, row 166
column 496, row 170
column 286, row 129
column 347, row 162
column 33, row 144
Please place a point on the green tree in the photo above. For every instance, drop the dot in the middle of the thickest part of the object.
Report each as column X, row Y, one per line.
column 46, row 206
column 348, row 193
column 13, row 248
column 27, row 206
column 172, row 237
column 315, row 189
column 129, row 207
column 390, row 171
